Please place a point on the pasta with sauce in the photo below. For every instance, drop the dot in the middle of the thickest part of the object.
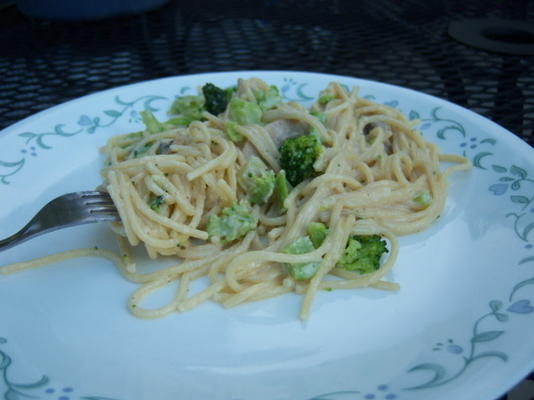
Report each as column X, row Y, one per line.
column 262, row 197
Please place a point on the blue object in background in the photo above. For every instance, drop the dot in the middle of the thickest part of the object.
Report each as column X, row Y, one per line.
column 75, row 10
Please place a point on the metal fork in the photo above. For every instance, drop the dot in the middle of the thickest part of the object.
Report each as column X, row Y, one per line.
column 67, row 210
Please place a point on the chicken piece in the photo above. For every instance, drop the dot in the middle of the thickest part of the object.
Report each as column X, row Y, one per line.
column 283, row 129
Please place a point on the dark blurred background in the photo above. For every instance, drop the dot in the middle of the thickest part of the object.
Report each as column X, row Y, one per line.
column 478, row 54
column 488, row 68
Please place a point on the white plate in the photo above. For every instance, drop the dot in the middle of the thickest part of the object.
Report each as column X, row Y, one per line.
column 461, row 327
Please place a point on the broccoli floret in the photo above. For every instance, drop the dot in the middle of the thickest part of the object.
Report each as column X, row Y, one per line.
column 281, row 186
column 363, row 253
column 268, row 98
column 151, row 123
column 257, row 180
column 244, row 112
column 187, row 108
column 231, row 132
column 423, row 199
column 297, row 156
column 234, row 222
column 301, row 271
column 317, row 232
column 215, row 98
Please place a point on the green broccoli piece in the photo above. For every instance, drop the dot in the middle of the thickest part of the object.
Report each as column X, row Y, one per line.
column 179, row 121
column 140, row 151
column 231, row 132
column 215, row 98
column 301, row 271
column 317, row 232
column 257, row 180
column 244, row 112
column 187, row 108
column 151, row 123
column 320, row 116
column 363, row 253
column 423, row 199
column 156, row 202
column 135, row 135
column 297, row 156
column 281, row 186
column 234, row 222
column 326, row 97
column 269, row 98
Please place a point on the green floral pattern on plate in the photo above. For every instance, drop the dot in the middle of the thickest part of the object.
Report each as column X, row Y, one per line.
column 483, row 331
column 33, row 142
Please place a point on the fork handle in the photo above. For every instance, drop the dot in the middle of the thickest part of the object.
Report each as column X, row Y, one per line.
column 27, row 232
